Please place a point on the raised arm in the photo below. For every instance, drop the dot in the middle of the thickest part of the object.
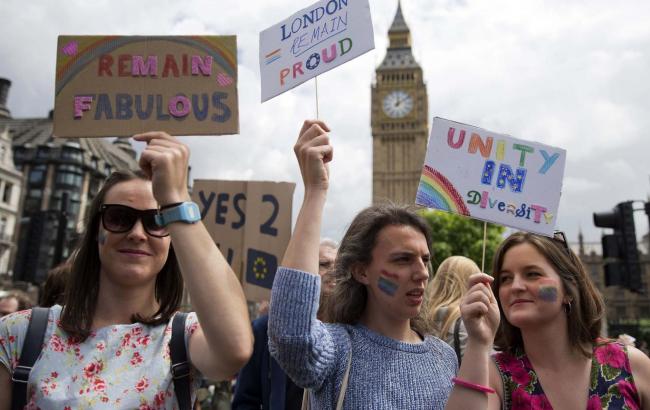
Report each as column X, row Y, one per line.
column 480, row 314
column 314, row 152
column 223, row 341
column 302, row 345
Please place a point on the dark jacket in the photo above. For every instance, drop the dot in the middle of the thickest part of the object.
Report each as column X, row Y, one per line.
column 261, row 383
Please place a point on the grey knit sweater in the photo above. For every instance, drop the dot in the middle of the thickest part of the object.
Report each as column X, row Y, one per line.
column 385, row 373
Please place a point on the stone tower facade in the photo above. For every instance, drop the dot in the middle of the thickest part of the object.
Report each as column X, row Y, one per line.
column 399, row 119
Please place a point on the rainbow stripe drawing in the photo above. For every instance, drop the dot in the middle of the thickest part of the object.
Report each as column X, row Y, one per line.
column 436, row 191
column 273, row 55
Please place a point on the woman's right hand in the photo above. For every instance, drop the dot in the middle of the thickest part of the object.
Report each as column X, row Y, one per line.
column 314, row 152
column 479, row 310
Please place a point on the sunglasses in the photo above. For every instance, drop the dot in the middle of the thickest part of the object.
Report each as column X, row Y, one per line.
column 121, row 218
column 560, row 237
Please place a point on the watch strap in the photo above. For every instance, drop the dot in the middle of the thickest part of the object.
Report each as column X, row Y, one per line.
column 187, row 212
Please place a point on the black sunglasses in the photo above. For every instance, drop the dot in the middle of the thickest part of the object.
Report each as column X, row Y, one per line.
column 560, row 237
column 121, row 218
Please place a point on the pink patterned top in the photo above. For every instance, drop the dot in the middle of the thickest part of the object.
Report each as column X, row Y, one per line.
column 611, row 386
column 117, row 367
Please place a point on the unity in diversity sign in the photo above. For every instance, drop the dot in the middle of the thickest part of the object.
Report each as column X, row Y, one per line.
column 123, row 85
column 492, row 177
column 250, row 221
column 312, row 41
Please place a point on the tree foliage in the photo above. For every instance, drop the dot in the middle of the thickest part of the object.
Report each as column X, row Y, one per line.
column 458, row 235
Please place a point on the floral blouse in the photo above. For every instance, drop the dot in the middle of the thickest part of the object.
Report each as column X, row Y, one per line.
column 116, row 367
column 612, row 385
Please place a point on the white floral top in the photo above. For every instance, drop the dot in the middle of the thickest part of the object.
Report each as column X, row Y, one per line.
column 117, row 367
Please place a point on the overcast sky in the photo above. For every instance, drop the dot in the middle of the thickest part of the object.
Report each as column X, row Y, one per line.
column 570, row 74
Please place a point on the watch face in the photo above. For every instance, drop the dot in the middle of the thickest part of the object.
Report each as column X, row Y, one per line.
column 397, row 104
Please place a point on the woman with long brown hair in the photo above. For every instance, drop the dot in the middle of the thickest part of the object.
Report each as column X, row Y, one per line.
column 374, row 353
column 550, row 354
column 108, row 346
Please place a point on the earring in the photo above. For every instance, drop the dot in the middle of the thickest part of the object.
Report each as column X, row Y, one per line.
column 567, row 308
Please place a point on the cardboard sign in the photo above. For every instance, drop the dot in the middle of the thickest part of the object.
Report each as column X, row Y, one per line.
column 250, row 222
column 124, row 85
column 312, row 41
column 492, row 177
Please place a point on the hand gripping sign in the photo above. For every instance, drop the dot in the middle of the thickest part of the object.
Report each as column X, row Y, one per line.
column 492, row 177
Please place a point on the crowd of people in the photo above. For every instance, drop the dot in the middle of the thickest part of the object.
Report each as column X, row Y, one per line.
column 363, row 323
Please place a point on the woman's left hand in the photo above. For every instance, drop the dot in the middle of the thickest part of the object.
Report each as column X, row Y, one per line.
column 165, row 161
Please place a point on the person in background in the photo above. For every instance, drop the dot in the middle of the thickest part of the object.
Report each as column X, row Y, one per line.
column 550, row 354
column 53, row 289
column 14, row 301
column 444, row 294
column 374, row 353
column 262, row 384
column 108, row 346
column 326, row 258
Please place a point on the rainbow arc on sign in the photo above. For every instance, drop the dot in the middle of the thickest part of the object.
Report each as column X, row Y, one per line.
column 436, row 191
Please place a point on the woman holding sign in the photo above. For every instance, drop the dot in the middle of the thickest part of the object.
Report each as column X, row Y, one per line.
column 375, row 352
column 550, row 353
column 108, row 346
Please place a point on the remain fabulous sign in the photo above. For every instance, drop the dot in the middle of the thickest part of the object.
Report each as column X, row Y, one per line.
column 123, row 85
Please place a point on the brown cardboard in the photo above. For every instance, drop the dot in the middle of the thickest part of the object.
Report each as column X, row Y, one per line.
column 104, row 69
column 251, row 223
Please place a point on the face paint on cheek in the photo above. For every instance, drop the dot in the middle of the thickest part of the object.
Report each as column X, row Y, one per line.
column 387, row 285
column 547, row 290
column 101, row 237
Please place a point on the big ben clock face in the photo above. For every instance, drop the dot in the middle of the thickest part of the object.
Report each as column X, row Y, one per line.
column 397, row 104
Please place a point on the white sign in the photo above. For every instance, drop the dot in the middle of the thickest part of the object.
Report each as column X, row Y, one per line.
column 312, row 41
column 492, row 177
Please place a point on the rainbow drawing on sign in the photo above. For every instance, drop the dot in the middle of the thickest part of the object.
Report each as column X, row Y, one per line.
column 435, row 191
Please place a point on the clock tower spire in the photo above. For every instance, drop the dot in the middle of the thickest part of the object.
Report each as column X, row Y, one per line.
column 398, row 119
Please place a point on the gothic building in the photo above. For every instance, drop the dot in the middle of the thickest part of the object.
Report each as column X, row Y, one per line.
column 399, row 119
column 625, row 310
column 10, row 186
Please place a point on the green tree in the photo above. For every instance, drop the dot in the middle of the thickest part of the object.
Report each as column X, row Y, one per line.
column 458, row 235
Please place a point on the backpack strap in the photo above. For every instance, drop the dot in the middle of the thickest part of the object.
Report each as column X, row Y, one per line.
column 180, row 366
column 306, row 405
column 344, row 383
column 457, row 340
column 32, row 346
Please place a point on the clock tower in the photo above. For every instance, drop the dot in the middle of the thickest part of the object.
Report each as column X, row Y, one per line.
column 399, row 120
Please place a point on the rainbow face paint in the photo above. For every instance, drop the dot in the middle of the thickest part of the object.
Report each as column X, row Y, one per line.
column 547, row 291
column 388, row 283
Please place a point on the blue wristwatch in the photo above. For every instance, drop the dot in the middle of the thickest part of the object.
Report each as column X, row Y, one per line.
column 187, row 212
